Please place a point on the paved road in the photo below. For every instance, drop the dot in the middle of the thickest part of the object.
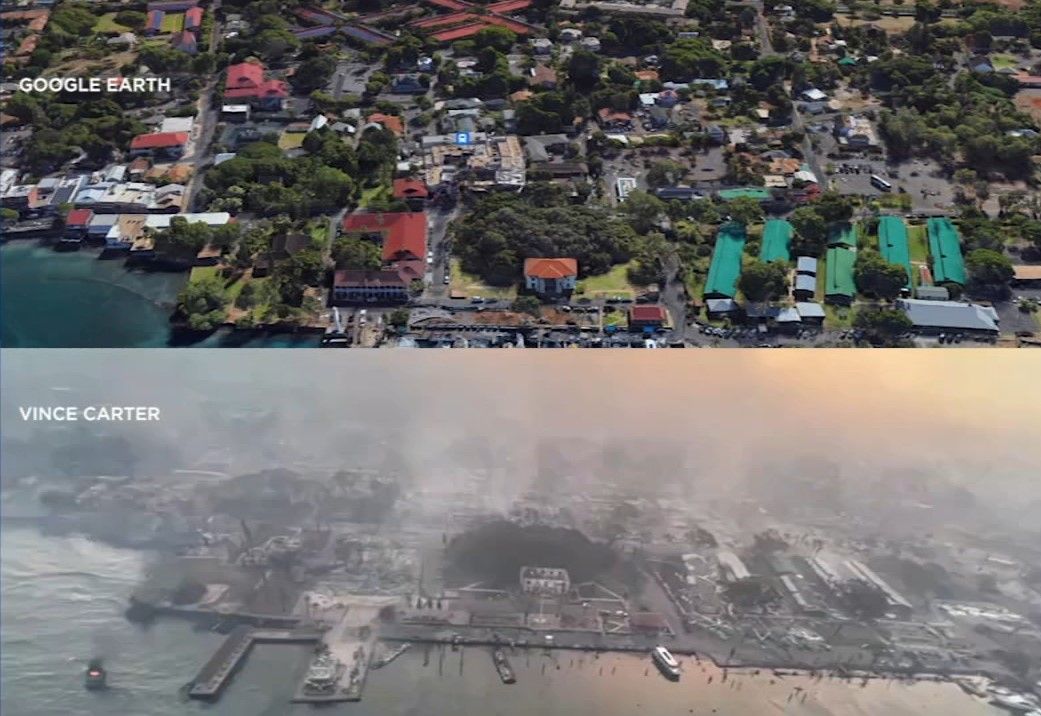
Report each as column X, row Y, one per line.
column 674, row 297
column 207, row 123
column 767, row 50
column 437, row 229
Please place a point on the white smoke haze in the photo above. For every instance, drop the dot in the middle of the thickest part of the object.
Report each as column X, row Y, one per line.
column 712, row 422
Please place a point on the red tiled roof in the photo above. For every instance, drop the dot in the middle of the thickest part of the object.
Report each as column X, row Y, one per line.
column 246, row 79
column 159, row 140
column 389, row 121
column 193, row 16
column 245, row 74
column 647, row 313
column 607, row 114
column 78, row 217
column 408, row 188
column 550, row 268
column 410, row 270
column 404, row 233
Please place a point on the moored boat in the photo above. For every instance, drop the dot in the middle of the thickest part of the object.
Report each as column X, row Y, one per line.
column 96, row 678
column 666, row 663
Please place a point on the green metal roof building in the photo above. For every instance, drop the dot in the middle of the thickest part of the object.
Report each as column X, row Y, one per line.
column 892, row 243
column 843, row 234
column 726, row 262
column 752, row 192
column 945, row 248
column 777, row 238
column 838, row 275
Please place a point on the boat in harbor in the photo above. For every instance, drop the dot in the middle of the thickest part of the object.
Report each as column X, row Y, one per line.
column 323, row 675
column 96, row 678
column 502, row 665
column 666, row 663
column 381, row 662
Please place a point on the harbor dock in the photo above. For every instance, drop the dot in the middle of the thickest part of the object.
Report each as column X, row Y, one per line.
column 217, row 672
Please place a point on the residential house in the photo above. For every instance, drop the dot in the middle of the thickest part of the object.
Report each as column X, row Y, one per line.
column 541, row 46
column 389, row 122
column 590, row 43
column 159, row 145
column 647, row 318
column 981, row 65
column 407, row 84
column 614, row 120
column 543, row 77
column 550, row 277
column 813, row 95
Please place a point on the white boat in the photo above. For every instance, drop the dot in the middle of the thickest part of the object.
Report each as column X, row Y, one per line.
column 666, row 662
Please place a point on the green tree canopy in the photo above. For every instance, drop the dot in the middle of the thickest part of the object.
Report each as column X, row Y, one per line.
column 989, row 268
column 204, row 303
column 762, row 281
column 875, row 276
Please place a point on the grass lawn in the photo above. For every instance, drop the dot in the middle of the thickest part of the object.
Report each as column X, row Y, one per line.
column 473, row 286
column 107, row 25
column 373, row 194
column 837, row 317
column 616, row 318
column 918, row 243
column 199, row 273
column 172, row 22
column 1001, row 62
column 291, row 140
column 615, row 281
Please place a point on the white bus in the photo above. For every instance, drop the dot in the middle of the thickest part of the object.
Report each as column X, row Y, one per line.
column 880, row 183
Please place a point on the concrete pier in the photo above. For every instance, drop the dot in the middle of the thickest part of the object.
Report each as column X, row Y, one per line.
column 217, row 672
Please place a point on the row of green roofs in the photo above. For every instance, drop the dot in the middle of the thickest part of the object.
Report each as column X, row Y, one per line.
column 944, row 247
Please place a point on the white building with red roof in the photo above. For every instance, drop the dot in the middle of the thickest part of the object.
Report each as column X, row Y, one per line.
column 550, row 276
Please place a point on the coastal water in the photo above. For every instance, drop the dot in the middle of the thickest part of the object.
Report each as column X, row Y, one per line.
column 63, row 599
column 75, row 300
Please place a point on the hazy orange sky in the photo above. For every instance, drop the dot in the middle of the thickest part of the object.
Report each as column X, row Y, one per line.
column 970, row 413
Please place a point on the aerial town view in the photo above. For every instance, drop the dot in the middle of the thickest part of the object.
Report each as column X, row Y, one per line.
column 520, row 173
column 421, row 557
